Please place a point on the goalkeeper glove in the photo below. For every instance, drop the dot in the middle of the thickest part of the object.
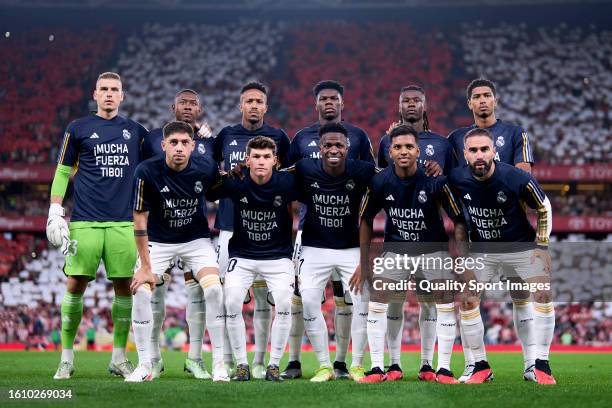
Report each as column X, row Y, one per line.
column 57, row 228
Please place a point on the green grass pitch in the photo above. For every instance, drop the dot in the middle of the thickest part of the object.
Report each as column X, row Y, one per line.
column 583, row 380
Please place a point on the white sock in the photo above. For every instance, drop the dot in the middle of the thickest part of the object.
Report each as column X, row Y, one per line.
column 359, row 328
column 474, row 332
column 342, row 325
column 446, row 328
column 142, row 324
column 395, row 326
column 67, row 355
column 297, row 329
column 427, row 327
column 315, row 325
column 196, row 318
column 377, row 328
column 236, row 329
column 262, row 319
column 467, row 353
column 544, row 328
column 158, row 307
column 281, row 325
column 118, row 355
column 215, row 318
column 523, row 317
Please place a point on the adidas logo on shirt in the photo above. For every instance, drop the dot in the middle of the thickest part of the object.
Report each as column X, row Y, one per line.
column 244, row 200
column 315, row 185
column 94, row 136
column 467, row 197
column 234, row 143
column 390, row 198
column 165, row 190
column 313, row 143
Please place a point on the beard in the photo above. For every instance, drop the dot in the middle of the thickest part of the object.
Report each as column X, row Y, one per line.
column 481, row 172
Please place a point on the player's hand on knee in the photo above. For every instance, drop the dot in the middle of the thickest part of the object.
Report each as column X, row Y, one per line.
column 142, row 276
column 544, row 256
column 357, row 280
column 57, row 228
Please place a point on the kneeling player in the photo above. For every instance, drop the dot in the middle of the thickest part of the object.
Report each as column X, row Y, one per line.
column 260, row 245
column 169, row 221
column 414, row 226
column 494, row 195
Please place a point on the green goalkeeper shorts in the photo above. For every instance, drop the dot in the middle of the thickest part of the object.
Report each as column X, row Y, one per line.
column 113, row 242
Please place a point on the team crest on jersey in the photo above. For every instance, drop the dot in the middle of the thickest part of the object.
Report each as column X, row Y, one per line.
column 429, row 150
column 350, row 185
column 501, row 197
column 422, row 197
column 201, row 148
column 126, row 134
column 198, row 187
column 278, row 201
column 500, row 141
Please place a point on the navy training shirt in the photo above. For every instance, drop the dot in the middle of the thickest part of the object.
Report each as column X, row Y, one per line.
column 152, row 145
column 433, row 147
column 175, row 200
column 332, row 203
column 511, row 143
column 495, row 206
column 105, row 153
column 263, row 212
column 411, row 206
column 229, row 147
column 306, row 144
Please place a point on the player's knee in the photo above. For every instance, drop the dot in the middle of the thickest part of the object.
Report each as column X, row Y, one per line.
column 542, row 296
column 282, row 303
column 470, row 303
column 142, row 296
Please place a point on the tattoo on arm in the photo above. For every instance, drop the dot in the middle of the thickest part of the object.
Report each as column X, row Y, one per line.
column 140, row 233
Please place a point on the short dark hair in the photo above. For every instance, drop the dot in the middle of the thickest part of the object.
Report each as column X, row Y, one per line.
column 404, row 130
column 412, row 88
column 328, row 84
column 477, row 132
column 480, row 82
column 177, row 127
column 261, row 142
column 186, row 90
column 333, row 128
column 254, row 85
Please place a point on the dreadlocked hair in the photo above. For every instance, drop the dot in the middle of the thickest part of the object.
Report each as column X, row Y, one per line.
column 421, row 90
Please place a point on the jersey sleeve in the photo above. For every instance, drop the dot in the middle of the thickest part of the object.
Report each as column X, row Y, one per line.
column 142, row 191
column 532, row 194
column 282, row 150
column 366, row 152
column 522, row 147
column 372, row 204
column 294, row 150
column 218, row 147
column 223, row 188
column 446, row 198
column 450, row 159
column 383, row 149
column 68, row 154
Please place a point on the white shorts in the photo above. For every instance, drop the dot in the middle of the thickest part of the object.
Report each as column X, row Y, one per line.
column 510, row 265
column 316, row 266
column 430, row 267
column 195, row 255
column 297, row 250
column 277, row 273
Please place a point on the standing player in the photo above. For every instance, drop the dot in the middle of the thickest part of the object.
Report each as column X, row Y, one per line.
column 495, row 195
column 170, row 221
column 414, row 226
column 329, row 103
column 105, row 149
column 260, row 246
column 332, row 188
column 186, row 108
column 437, row 158
column 230, row 147
column 512, row 147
